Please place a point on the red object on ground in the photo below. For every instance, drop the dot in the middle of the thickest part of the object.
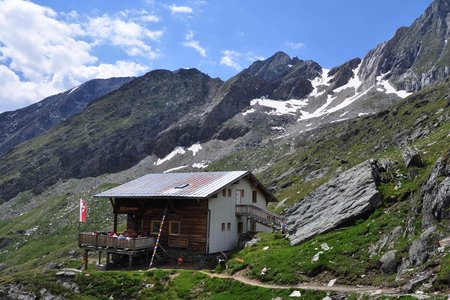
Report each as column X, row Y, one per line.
column 180, row 260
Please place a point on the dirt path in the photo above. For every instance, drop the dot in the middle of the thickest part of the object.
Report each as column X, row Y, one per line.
column 307, row 286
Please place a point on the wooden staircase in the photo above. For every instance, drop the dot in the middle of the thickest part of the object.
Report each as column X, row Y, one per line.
column 259, row 215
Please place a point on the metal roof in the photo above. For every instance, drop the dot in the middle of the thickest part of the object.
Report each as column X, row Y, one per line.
column 195, row 185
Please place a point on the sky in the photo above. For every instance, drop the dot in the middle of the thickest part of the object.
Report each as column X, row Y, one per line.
column 49, row 46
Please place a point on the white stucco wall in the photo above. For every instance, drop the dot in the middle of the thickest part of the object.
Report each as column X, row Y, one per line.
column 223, row 210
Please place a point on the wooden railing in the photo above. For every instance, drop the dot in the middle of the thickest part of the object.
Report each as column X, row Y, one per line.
column 99, row 241
column 260, row 215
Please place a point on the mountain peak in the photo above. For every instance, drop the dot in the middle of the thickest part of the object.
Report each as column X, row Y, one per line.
column 272, row 68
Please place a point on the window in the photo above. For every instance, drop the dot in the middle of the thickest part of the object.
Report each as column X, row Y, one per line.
column 229, row 192
column 223, row 226
column 155, row 226
column 254, row 196
column 174, row 227
column 242, row 193
column 228, row 226
column 224, row 192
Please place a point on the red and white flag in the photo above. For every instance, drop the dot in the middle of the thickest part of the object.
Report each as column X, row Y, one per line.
column 82, row 210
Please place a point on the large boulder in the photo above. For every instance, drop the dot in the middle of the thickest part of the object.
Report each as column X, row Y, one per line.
column 436, row 193
column 389, row 262
column 412, row 158
column 347, row 197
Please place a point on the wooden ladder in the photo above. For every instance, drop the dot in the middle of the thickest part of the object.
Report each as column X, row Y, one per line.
column 159, row 236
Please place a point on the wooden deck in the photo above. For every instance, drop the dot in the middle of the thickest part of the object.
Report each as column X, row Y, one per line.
column 120, row 245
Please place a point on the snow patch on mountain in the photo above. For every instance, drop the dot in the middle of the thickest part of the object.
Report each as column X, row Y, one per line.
column 385, row 86
column 195, row 148
column 248, row 111
column 176, row 151
column 174, row 169
column 279, row 107
column 73, row 90
column 354, row 82
column 317, row 113
column 320, row 81
column 200, row 165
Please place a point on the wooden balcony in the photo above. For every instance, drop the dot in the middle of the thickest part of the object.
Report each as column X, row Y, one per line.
column 92, row 241
column 259, row 215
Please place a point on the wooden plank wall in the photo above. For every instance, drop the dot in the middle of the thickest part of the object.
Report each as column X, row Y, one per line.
column 193, row 215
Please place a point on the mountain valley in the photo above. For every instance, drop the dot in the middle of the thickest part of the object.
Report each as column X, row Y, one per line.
column 303, row 130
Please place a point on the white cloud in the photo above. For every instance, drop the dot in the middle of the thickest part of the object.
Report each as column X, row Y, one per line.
column 42, row 55
column 130, row 36
column 235, row 59
column 230, row 59
column 295, row 45
column 174, row 9
column 150, row 18
column 191, row 43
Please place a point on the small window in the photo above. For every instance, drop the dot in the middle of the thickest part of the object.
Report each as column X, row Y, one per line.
column 242, row 193
column 229, row 192
column 254, row 196
column 228, row 226
column 223, row 226
column 155, row 226
column 224, row 192
column 174, row 227
column 182, row 186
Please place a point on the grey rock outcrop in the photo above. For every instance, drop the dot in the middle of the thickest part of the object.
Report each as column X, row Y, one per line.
column 389, row 262
column 412, row 158
column 436, row 193
column 350, row 195
column 414, row 57
column 422, row 248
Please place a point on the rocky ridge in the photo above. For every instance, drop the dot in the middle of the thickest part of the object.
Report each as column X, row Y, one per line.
column 25, row 124
column 416, row 56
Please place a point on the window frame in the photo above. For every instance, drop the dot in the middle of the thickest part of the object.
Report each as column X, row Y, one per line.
column 170, row 227
column 152, row 227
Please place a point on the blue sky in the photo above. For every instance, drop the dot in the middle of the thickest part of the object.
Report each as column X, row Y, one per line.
column 48, row 46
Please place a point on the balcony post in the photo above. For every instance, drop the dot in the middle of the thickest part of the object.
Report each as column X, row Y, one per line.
column 115, row 222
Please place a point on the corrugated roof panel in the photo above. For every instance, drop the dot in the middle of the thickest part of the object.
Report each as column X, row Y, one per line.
column 190, row 185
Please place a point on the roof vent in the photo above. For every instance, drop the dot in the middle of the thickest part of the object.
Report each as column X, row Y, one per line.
column 182, row 186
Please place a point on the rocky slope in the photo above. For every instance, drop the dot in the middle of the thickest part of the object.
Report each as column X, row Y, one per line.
column 416, row 56
column 163, row 113
column 24, row 124
column 384, row 249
